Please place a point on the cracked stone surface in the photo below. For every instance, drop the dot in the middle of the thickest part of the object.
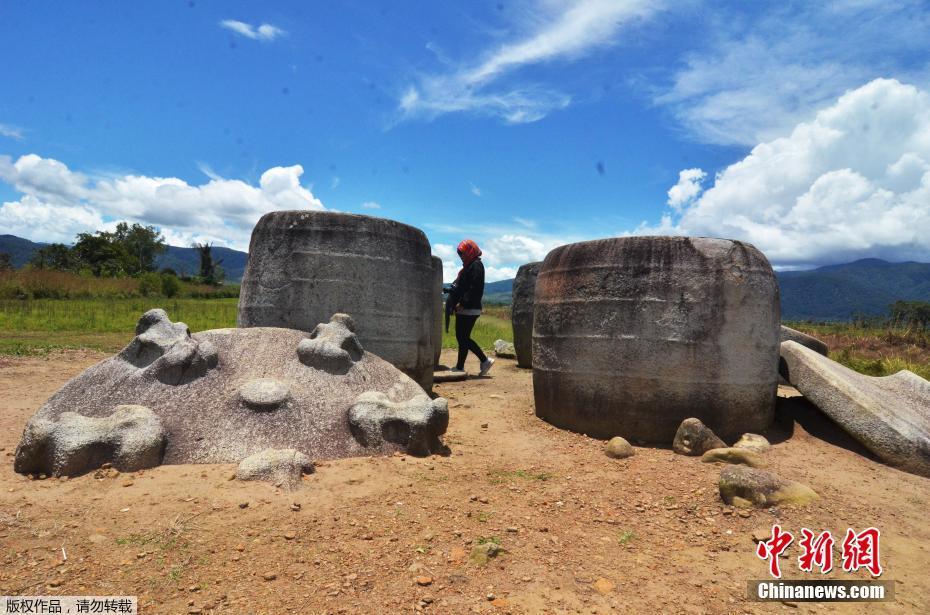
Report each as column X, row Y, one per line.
column 332, row 347
column 131, row 438
column 278, row 466
column 218, row 417
column 889, row 415
column 414, row 424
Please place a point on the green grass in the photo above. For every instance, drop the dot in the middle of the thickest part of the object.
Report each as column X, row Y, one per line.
column 112, row 315
column 492, row 325
column 874, row 350
column 626, row 537
column 38, row 326
column 883, row 366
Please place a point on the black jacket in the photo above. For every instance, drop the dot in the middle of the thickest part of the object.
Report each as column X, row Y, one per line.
column 468, row 288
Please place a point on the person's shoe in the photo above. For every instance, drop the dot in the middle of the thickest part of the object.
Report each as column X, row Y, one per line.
column 486, row 366
column 456, row 370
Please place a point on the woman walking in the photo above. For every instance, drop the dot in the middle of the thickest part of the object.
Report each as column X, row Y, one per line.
column 465, row 300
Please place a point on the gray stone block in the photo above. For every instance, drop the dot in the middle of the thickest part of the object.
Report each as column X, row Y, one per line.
column 787, row 334
column 633, row 335
column 307, row 265
column 521, row 310
column 438, row 312
column 889, row 415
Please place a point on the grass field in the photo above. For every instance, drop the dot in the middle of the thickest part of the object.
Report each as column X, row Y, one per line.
column 876, row 351
column 39, row 325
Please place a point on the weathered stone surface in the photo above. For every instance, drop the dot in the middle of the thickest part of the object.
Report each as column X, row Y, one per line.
column 332, row 347
column 746, row 487
column 695, row 438
column 167, row 351
column 633, row 335
column 279, row 466
column 438, row 312
column 504, row 349
column 753, row 442
column 131, row 438
column 264, row 393
column 734, row 456
column 889, row 415
column 415, row 424
column 208, row 420
column 521, row 310
column 792, row 335
column 306, row 265
column 618, row 448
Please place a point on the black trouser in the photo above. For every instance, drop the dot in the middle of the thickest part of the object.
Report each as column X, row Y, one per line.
column 463, row 327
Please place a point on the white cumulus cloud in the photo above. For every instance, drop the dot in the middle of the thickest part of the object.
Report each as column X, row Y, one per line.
column 263, row 32
column 853, row 182
column 687, row 188
column 57, row 203
column 371, row 205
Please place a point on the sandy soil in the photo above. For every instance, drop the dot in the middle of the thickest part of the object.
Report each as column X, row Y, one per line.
column 581, row 532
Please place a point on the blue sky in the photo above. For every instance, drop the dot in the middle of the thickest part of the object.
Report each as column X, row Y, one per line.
column 523, row 124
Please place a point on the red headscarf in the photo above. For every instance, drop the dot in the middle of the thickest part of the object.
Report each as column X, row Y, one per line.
column 469, row 251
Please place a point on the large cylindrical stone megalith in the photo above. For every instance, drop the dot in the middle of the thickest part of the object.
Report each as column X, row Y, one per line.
column 438, row 312
column 521, row 312
column 633, row 335
column 305, row 266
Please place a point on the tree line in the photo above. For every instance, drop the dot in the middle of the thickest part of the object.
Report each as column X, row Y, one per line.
column 127, row 251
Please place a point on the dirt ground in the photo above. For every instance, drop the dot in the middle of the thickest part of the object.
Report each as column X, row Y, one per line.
column 580, row 532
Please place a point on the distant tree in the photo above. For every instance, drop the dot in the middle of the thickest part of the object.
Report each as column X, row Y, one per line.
column 102, row 255
column 911, row 313
column 6, row 261
column 169, row 285
column 210, row 270
column 142, row 244
column 55, row 256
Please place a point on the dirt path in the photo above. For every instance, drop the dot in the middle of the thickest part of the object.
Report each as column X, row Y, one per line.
column 581, row 532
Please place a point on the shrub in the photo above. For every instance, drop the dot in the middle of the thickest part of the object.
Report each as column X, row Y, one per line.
column 149, row 284
column 169, row 285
